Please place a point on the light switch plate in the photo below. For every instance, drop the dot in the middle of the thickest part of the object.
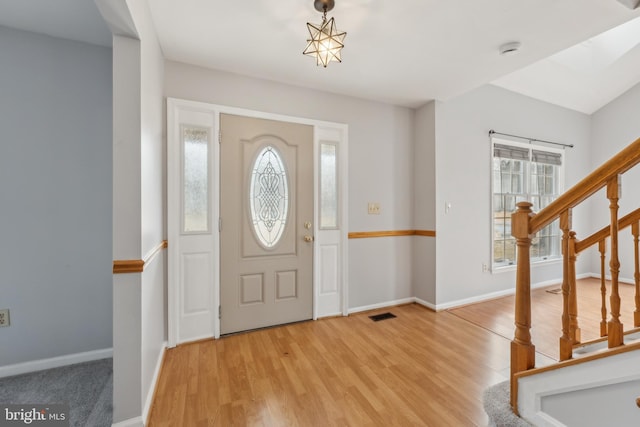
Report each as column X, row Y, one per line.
column 4, row 317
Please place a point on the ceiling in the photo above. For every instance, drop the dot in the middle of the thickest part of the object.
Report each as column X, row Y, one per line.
column 404, row 52
column 586, row 76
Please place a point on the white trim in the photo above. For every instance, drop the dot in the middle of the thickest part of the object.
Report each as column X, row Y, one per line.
column 548, row 420
column 534, row 264
column 325, row 315
column 173, row 106
column 54, row 362
column 172, row 252
column 427, row 304
column 460, row 302
column 490, row 295
column 499, row 294
column 465, row 301
column 530, row 146
column 196, row 339
column 608, row 277
column 382, row 305
column 154, row 383
column 343, row 177
column 131, row 422
column 316, row 224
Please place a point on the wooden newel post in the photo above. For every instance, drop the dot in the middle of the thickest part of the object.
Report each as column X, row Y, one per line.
column 523, row 353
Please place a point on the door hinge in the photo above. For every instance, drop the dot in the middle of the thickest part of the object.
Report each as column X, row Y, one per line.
column 219, row 312
column 219, row 137
column 219, row 224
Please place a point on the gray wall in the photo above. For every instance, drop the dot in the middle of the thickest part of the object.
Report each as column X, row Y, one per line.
column 463, row 157
column 380, row 166
column 55, row 196
column 424, row 214
column 613, row 127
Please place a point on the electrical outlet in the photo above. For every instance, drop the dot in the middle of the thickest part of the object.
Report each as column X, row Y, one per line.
column 374, row 208
column 4, row 317
column 485, row 267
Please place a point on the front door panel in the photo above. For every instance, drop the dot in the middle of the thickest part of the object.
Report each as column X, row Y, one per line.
column 267, row 212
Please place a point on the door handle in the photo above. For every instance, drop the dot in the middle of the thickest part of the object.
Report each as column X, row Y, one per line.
column 308, row 238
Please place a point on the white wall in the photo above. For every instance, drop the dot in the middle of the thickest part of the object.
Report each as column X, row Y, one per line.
column 424, row 214
column 55, row 187
column 613, row 127
column 153, row 172
column 127, row 288
column 584, row 408
column 576, row 394
column 380, row 165
column 463, row 157
column 140, row 321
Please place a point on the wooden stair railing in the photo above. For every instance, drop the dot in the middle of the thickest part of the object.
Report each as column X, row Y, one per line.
column 525, row 224
column 632, row 220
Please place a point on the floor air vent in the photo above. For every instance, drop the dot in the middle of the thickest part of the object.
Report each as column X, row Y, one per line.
column 381, row 316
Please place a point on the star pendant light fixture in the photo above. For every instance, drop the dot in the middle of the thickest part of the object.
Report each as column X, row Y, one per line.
column 326, row 41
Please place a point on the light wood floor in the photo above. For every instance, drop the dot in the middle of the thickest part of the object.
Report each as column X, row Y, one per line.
column 419, row 369
column 546, row 311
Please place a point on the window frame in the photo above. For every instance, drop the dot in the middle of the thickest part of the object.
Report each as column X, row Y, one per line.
column 527, row 176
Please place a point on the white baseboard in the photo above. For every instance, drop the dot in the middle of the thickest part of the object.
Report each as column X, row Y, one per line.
column 382, row 305
column 608, row 277
column 131, row 422
column 584, row 275
column 154, row 383
column 336, row 314
column 464, row 301
column 54, row 362
column 473, row 300
column 500, row 294
column 427, row 304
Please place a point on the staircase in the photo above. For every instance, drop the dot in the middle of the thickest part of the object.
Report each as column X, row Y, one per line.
column 597, row 382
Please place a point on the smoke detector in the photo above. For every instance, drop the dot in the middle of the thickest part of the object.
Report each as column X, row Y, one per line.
column 510, row 48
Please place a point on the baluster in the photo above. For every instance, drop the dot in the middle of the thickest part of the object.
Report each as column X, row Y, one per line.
column 566, row 344
column 574, row 329
column 615, row 327
column 635, row 230
column 602, row 247
column 522, row 350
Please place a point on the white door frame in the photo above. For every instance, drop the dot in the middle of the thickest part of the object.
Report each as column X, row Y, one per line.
column 330, row 259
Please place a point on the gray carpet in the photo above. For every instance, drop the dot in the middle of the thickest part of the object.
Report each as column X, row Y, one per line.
column 86, row 387
column 498, row 408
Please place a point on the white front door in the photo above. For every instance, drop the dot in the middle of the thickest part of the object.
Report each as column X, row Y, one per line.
column 266, row 211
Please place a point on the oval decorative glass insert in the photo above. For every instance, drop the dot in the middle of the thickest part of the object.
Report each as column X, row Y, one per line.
column 269, row 197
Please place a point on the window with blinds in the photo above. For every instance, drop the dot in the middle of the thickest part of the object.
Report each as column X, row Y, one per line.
column 524, row 172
